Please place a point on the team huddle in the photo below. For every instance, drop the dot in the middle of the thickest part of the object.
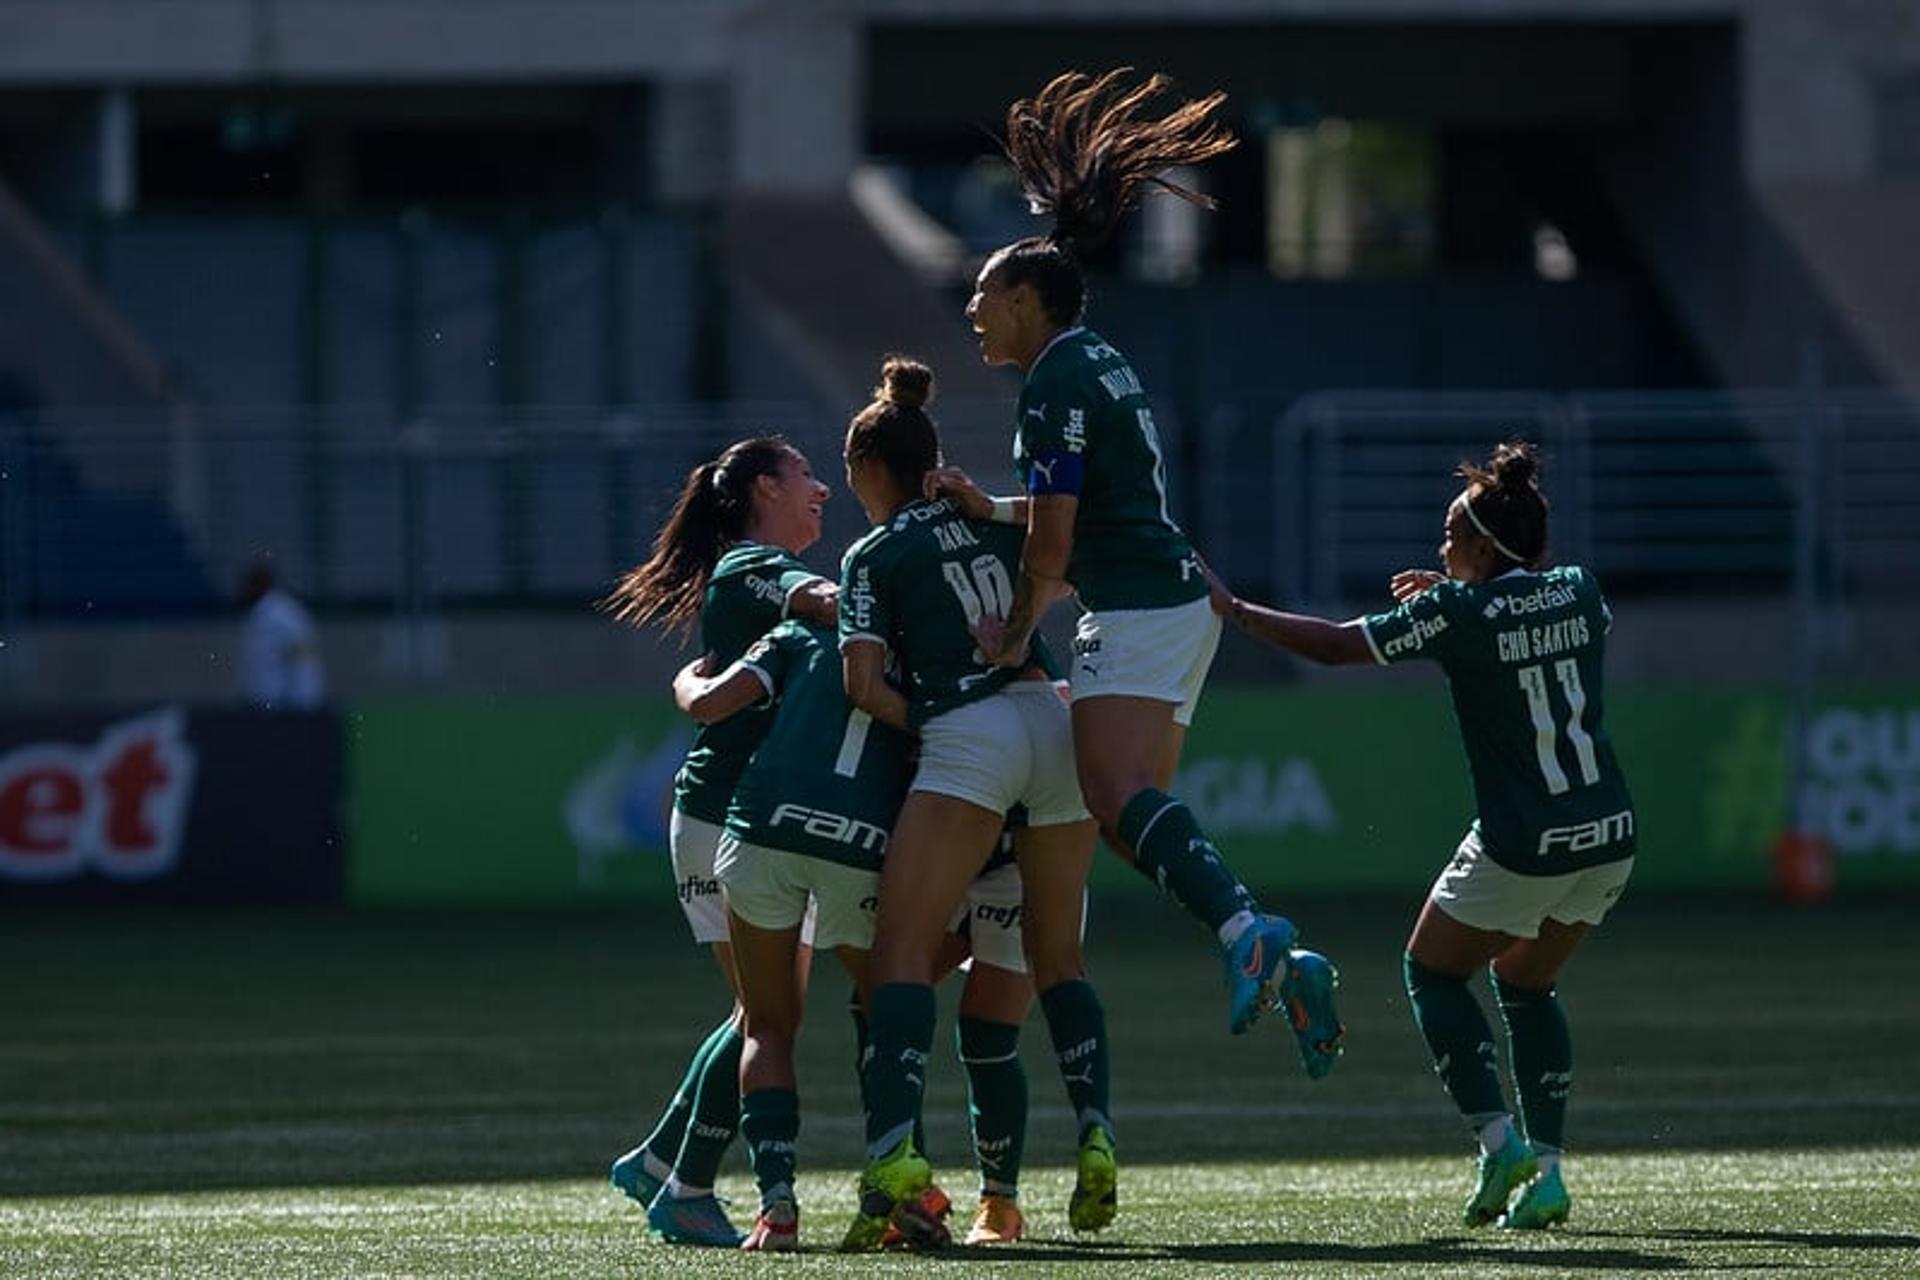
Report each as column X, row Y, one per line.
column 893, row 766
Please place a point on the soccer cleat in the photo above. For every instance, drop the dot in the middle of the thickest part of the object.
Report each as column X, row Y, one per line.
column 1095, row 1198
column 996, row 1221
column 1306, row 993
column 1540, row 1204
column 1249, row 965
column 776, row 1230
column 629, row 1174
column 697, row 1220
column 894, row 1179
column 920, row 1223
column 1502, row 1171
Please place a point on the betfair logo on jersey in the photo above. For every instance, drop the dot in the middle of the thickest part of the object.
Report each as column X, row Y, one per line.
column 1551, row 596
column 832, row 826
column 1076, row 431
column 1583, row 836
column 1416, row 638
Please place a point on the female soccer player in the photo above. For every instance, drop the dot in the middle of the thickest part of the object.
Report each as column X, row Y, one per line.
column 991, row 737
column 726, row 558
column 808, row 822
column 807, row 826
column 1524, row 651
column 1095, row 515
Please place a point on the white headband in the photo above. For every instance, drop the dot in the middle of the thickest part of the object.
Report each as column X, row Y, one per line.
column 1487, row 533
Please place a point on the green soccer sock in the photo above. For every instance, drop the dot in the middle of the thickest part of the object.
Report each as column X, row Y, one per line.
column 896, row 1074
column 716, row 1113
column 770, row 1122
column 996, row 1101
column 1459, row 1039
column 862, row 1038
column 1078, row 1026
column 1541, row 1051
column 663, row 1144
column 1170, row 849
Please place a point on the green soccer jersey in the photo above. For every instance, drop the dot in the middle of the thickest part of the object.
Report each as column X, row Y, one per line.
column 746, row 597
column 917, row 584
column 1524, row 656
column 827, row 781
column 1085, row 428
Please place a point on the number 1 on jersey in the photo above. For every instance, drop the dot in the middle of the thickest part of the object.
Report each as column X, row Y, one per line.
column 1546, row 743
column 847, row 763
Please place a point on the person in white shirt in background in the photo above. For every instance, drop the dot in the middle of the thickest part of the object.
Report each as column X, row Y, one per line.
column 280, row 668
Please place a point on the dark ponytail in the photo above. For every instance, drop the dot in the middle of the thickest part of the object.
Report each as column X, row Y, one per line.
column 1083, row 156
column 1505, row 503
column 895, row 429
column 712, row 513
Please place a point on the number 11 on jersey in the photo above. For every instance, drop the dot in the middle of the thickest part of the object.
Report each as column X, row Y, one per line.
column 1546, row 734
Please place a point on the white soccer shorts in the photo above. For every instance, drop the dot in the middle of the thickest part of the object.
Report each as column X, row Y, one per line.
column 1162, row 654
column 1015, row 747
column 776, row 889
column 1482, row 894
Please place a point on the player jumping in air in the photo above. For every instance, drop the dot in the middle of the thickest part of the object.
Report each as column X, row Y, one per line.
column 1094, row 508
column 1551, row 850
column 727, row 558
column 992, row 737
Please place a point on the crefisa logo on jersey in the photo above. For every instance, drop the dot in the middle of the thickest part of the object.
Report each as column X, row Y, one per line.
column 118, row 808
column 1423, row 630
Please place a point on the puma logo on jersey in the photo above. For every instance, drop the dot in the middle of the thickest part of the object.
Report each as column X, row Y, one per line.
column 1045, row 469
column 1038, row 411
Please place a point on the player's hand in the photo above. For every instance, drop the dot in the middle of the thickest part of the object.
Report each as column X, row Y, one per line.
column 1219, row 595
column 1409, row 583
column 996, row 646
column 951, row 482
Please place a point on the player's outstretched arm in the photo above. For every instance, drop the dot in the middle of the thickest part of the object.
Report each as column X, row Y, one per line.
column 1334, row 644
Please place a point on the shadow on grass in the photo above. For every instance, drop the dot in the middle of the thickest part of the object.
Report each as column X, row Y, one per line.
column 1797, row 1239
column 1443, row 1251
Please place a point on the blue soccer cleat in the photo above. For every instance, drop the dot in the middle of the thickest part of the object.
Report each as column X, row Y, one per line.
column 696, row 1220
column 1540, row 1204
column 1249, row 965
column 1502, row 1171
column 629, row 1174
column 1306, row 994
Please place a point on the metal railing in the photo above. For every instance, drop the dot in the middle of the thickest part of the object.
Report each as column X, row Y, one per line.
column 1660, row 493
column 1668, row 493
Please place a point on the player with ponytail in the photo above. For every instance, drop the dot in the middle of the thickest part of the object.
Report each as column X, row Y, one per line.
column 1524, row 649
column 725, row 563
column 1093, row 503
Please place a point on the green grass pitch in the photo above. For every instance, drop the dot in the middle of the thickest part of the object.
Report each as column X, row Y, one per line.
column 221, row 1094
